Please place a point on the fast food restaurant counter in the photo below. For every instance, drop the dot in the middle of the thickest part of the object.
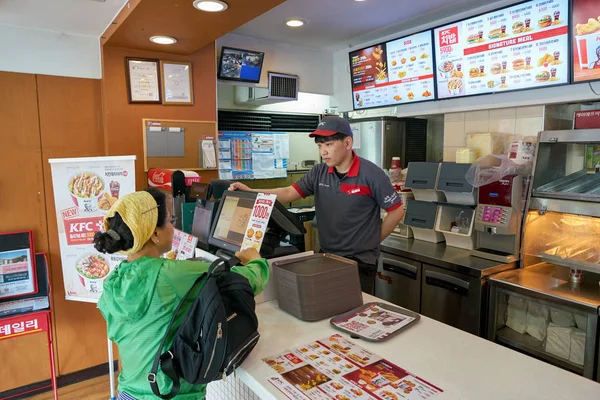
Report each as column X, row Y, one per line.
column 464, row 366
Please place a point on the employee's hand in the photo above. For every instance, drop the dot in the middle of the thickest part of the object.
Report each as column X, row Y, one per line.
column 245, row 256
column 238, row 186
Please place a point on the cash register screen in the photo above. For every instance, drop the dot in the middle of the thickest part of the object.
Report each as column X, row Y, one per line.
column 233, row 219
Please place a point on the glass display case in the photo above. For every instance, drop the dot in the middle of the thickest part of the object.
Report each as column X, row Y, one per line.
column 549, row 307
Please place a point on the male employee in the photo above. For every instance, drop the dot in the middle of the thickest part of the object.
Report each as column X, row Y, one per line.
column 349, row 193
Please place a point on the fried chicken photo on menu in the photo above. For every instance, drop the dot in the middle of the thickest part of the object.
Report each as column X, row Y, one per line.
column 592, row 26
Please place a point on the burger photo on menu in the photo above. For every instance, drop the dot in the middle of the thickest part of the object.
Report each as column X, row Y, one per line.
column 545, row 21
column 518, row 27
column 496, row 69
column 543, row 76
column 586, row 35
column 518, row 64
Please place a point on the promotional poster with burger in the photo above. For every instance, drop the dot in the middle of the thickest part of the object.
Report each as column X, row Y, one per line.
column 520, row 47
column 586, row 40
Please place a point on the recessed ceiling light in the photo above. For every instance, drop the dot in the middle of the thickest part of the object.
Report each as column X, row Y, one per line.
column 294, row 23
column 210, row 5
column 163, row 40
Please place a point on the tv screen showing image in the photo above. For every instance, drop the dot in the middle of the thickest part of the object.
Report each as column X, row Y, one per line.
column 240, row 65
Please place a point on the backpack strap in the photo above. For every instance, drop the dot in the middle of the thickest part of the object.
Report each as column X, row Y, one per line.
column 227, row 264
column 166, row 359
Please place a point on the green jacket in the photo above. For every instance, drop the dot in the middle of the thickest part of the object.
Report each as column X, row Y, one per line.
column 138, row 301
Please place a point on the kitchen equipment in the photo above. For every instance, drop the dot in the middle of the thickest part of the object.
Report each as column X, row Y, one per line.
column 498, row 220
column 563, row 219
column 445, row 302
column 560, row 257
column 316, row 287
column 421, row 216
column 422, row 178
column 569, row 328
column 453, row 298
column 380, row 139
column 456, row 224
column 399, row 281
column 453, row 183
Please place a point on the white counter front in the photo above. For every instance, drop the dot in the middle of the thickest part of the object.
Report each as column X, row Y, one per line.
column 462, row 365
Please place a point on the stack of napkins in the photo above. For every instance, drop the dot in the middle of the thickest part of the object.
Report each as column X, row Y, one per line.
column 517, row 314
column 558, row 342
column 577, row 354
column 537, row 320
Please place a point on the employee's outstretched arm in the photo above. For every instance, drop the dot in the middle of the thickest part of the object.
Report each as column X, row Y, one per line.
column 284, row 195
column 392, row 219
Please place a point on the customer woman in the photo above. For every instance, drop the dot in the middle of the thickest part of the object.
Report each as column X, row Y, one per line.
column 141, row 294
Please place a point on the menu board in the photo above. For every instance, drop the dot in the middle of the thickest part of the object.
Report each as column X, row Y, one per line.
column 586, row 37
column 520, row 47
column 399, row 71
column 334, row 368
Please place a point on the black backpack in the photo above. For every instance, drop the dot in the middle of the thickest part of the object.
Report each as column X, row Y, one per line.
column 217, row 334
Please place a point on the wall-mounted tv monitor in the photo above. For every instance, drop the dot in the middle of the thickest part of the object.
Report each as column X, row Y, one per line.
column 395, row 72
column 525, row 46
column 240, row 65
column 586, row 40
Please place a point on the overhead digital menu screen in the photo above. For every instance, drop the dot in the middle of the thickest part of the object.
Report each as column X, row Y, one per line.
column 586, row 35
column 521, row 47
column 399, row 71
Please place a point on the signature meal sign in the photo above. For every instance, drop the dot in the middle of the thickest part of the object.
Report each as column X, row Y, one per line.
column 84, row 191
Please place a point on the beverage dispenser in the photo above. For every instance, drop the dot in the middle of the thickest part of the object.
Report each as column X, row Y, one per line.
column 498, row 220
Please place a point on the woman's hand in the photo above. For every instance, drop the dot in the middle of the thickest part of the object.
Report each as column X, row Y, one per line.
column 245, row 256
column 239, row 186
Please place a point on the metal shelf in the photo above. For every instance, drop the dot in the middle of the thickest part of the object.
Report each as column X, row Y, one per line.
column 531, row 346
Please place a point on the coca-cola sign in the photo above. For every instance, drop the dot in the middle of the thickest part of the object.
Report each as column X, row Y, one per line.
column 162, row 178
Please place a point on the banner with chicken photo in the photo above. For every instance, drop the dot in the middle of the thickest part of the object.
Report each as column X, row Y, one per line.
column 84, row 191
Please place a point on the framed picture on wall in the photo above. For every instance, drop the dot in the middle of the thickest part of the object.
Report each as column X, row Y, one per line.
column 143, row 77
column 177, row 86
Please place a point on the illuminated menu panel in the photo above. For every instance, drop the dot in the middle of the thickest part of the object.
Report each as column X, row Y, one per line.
column 399, row 71
column 520, row 47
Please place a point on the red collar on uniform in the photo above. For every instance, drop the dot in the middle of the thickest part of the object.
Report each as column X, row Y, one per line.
column 354, row 167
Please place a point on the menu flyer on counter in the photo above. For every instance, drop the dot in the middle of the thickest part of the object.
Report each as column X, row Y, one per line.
column 374, row 323
column 184, row 246
column 586, row 37
column 334, row 368
column 519, row 47
column 396, row 72
column 259, row 219
column 84, row 190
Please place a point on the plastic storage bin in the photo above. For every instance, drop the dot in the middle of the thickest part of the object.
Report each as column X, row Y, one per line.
column 422, row 179
column 453, row 183
column 448, row 214
column 421, row 216
column 318, row 286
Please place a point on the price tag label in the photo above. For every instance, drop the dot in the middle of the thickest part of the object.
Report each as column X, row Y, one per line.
column 257, row 225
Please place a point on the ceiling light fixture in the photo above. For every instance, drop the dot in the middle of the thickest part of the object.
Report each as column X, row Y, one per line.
column 210, row 5
column 294, row 23
column 163, row 40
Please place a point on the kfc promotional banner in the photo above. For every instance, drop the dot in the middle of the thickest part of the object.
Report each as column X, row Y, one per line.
column 84, row 190
column 586, row 38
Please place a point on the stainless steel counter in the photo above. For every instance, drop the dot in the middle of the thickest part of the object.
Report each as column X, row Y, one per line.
column 553, row 281
column 438, row 254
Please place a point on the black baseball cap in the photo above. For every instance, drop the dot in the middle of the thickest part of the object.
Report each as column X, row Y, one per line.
column 332, row 125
